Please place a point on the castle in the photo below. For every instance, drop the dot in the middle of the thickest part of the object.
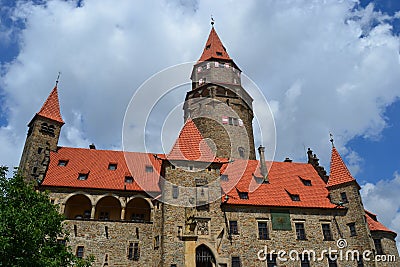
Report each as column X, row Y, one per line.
column 209, row 201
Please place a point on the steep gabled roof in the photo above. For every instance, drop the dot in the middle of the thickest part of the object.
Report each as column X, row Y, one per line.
column 144, row 168
column 374, row 224
column 339, row 172
column 51, row 107
column 285, row 179
column 214, row 48
column 191, row 145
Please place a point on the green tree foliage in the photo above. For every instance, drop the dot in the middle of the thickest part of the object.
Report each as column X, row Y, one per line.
column 30, row 226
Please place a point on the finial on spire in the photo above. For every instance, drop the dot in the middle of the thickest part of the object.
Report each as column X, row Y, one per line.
column 331, row 136
column 212, row 21
column 58, row 78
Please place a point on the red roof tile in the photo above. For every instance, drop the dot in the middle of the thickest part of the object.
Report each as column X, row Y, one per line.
column 283, row 177
column 95, row 163
column 374, row 225
column 339, row 172
column 191, row 145
column 51, row 107
column 214, row 48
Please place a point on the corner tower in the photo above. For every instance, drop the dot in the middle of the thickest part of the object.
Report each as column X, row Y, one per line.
column 218, row 104
column 43, row 134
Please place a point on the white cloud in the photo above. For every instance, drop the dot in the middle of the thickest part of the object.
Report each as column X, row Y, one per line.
column 382, row 198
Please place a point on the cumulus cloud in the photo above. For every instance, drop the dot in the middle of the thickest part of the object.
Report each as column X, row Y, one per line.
column 382, row 198
column 319, row 63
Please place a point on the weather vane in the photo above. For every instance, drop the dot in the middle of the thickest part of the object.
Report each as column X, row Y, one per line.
column 212, row 21
column 331, row 136
column 58, row 77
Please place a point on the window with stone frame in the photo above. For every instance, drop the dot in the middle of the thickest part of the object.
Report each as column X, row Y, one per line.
column 332, row 261
column 133, row 251
column 263, row 230
column 80, row 251
column 233, row 227
column 378, row 246
column 326, row 231
column 343, row 196
column 352, row 229
column 305, row 260
column 300, row 231
column 236, row 261
column 360, row 262
column 271, row 260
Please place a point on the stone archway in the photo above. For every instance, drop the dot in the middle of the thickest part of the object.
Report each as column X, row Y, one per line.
column 204, row 257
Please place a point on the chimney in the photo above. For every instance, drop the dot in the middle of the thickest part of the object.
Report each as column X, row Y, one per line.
column 92, row 146
column 263, row 166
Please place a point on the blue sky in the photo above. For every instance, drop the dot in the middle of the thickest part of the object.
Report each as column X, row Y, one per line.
column 324, row 66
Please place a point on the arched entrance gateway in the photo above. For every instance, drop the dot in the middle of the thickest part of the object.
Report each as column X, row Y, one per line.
column 204, row 257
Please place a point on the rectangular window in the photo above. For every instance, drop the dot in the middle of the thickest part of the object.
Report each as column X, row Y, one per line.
column 133, row 251
column 263, row 230
column 79, row 251
column 156, row 242
column 137, row 217
column 112, row 166
column 305, row 261
column 332, row 262
column 82, row 176
column 128, row 179
column 243, row 195
column 233, row 227
column 62, row 163
column 344, row 197
column 230, row 121
column 271, row 260
column 175, row 191
column 236, row 262
column 378, row 246
column 360, row 262
column 352, row 228
column 300, row 232
column 326, row 230
column 149, row 168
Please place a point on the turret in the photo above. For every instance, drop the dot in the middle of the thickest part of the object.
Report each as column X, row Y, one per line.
column 43, row 134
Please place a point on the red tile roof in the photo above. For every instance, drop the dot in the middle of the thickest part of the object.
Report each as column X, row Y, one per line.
column 191, row 145
column 284, row 178
column 214, row 48
column 51, row 108
column 95, row 163
column 374, row 225
column 339, row 172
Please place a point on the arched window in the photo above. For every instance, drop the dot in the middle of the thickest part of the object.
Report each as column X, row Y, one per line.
column 78, row 207
column 44, row 127
column 138, row 210
column 108, row 208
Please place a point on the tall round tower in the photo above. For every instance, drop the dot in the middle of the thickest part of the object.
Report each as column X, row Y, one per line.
column 219, row 105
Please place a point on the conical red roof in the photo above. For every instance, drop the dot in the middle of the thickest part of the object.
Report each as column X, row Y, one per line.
column 214, row 48
column 51, row 107
column 339, row 172
column 191, row 145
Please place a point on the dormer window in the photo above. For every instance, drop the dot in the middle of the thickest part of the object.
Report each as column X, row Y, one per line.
column 149, row 168
column 128, row 179
column 83, row 176
column 112, row 166
column 294, row 197
column 306, row 182
column 224, row 177
column 243, row 195
column 208, row 47
column 62, row 162
column 219, row 54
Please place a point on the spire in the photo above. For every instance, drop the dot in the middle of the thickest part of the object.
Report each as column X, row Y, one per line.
column 214, row 47
column 339, row 172
column 191, row 145
column 51, row 107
